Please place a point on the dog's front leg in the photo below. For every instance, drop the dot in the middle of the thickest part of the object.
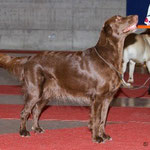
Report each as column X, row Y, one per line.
column 99, row 111
column 131, row 71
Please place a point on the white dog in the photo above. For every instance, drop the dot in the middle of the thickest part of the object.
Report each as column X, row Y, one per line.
column 136, row 50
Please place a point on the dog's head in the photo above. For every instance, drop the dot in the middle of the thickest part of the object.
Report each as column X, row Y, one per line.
column 118, row 27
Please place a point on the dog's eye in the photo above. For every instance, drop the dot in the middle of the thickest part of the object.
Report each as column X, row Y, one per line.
column 118, row 18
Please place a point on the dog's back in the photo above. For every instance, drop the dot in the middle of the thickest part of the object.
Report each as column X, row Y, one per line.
column 136, row 50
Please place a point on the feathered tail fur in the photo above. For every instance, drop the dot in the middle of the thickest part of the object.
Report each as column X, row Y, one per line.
column 14, row 65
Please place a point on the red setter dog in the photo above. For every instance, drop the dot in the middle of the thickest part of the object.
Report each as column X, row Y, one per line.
column 86, row 75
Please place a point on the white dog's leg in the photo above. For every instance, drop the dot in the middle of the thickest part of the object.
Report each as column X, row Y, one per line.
column 124, row 67
column 131, row 71
column 148, row 65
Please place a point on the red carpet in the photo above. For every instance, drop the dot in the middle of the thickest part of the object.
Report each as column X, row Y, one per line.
column 118, row 114
column 139, row 80
column 10, row 90
column 128, row 127
column 129, row 136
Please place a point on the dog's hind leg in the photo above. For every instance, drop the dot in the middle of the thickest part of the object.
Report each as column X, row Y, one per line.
column 49, row 90
column 148, row 66
column 30, row 103
column 32, row 84
column 36, row 114
column 124, row 67
column 131, row 71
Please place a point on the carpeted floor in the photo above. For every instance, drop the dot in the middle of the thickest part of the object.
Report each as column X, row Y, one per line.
column 129, row 136
column 128, row 127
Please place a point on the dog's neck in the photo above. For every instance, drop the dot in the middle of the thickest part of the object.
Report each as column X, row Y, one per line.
column 106, row 40
column 114, row 46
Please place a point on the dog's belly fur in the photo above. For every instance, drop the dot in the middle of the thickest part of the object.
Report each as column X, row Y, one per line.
column 53, row 91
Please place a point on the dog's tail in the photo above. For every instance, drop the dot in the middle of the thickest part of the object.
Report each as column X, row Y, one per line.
column 14, row 65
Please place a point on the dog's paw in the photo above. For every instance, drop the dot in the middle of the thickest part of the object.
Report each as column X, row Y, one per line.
column 107, row 137
column 130, row 80
column 98, row 139
column 102, row 139
column 125, row 84
column 38, row 130
column 24, row 133
column 128, row 84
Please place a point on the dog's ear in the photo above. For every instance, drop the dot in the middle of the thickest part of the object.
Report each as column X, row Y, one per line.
column 107, row 29
column 105, row 33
